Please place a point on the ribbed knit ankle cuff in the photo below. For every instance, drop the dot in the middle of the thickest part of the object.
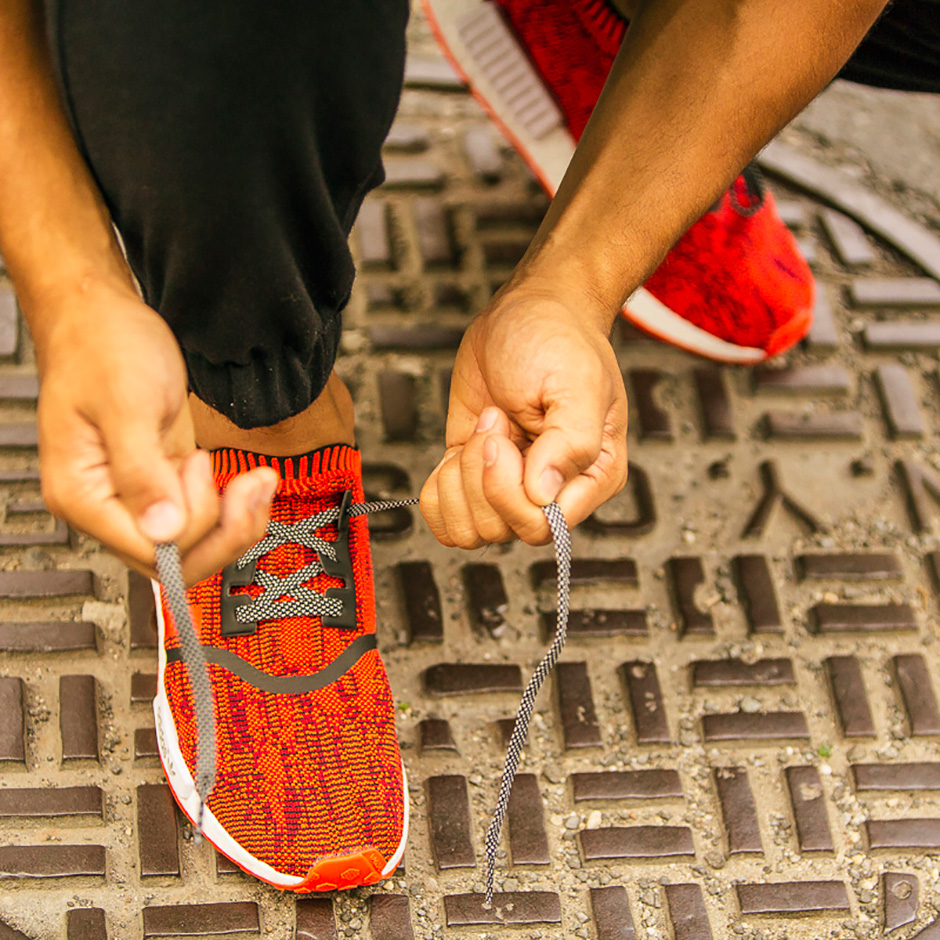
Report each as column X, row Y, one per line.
column 332, row 459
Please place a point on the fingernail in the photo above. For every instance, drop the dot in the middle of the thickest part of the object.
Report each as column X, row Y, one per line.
column 551, row 482
column 161, row 521
column 488, row 418
column 490, row 452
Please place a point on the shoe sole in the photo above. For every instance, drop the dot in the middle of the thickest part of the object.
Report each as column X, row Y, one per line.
column 328, row 874
column 473, row 36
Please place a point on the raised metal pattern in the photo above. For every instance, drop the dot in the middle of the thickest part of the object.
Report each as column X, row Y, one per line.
column 743, row 742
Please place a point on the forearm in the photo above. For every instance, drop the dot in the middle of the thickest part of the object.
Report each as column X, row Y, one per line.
column 696, row 90
column 55, row 232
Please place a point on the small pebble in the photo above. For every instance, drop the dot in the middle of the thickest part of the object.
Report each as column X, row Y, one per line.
column 553, row 773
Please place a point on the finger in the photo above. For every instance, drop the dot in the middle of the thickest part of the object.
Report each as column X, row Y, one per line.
column 430, row 503
column 147, row 483
column 148, row 571
column 243, row 518
column 455, row 511
column 487, row 521
column 505, row 491
column 202, row 499
column 107, row 520
column 569, row 442
column 77, row 487
column 602, row 480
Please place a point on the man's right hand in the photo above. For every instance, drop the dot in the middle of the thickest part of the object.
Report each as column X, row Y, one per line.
column 117, row 453
column 116, row 446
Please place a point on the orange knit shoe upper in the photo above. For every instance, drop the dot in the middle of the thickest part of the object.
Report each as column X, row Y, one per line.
column 309, row 776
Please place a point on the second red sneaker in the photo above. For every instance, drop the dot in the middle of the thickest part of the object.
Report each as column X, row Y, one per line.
column 310, row 790
column 735, row 288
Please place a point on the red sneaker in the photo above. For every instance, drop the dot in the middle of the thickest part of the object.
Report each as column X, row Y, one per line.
column 735, row 288
column 309, row 789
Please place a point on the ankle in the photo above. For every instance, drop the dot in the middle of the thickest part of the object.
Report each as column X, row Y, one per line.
column 329, row 420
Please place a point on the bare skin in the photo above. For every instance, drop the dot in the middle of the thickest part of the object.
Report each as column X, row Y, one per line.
column 537, row 409
column 329, row 420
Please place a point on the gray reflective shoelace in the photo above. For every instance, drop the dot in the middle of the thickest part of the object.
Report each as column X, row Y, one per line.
column 310, row 603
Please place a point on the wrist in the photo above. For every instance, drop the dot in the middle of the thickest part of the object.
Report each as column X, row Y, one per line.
column 66, row 312
column 567, row 284
column 52, row 287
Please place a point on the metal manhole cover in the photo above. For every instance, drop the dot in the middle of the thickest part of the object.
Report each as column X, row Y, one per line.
column 742, row 739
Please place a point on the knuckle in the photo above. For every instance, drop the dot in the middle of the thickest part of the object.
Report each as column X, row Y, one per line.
column 582, row 453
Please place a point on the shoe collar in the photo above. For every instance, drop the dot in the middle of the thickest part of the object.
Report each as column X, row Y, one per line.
column 330, row 468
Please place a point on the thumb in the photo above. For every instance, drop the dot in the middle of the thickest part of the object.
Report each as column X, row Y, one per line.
column 569, row 443
column 146, row 482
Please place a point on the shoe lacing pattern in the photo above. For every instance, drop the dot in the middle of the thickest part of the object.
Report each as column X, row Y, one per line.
column 308, row 602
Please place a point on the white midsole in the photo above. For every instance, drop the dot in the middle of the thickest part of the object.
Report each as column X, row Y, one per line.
column 548, row 157
column 184, row 787
column 651, row 314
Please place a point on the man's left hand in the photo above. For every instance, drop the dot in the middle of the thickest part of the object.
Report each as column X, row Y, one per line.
column 538, row 412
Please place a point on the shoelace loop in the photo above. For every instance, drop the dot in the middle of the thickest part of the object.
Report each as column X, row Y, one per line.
column 308, row 602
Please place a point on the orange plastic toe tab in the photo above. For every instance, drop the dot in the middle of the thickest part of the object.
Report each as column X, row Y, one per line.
column 790, row 333
column 342, row 872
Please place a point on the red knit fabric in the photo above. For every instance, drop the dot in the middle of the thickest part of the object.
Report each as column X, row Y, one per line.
column 739, row 277
column 572, row 44
column 300, row 777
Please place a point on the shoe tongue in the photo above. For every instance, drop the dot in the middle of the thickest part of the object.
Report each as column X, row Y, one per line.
column 338, row 460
